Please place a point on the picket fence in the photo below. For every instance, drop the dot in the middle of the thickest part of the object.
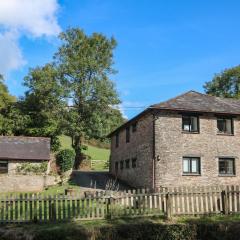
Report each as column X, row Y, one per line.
column 108, row 204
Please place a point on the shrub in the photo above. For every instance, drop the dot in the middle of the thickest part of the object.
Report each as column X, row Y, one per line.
column 26, row 168
column 65, row 159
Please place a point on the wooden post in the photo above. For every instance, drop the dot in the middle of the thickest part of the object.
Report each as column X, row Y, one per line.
column 109, row 214
column 224, row 202
column 168, row 206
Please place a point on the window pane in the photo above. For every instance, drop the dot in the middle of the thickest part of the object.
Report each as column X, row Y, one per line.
column 194, row 124
column 186, row 165
column 230, row 166
column 186, row 123
column 194, row 166
column 229, row 126
column 221, row 125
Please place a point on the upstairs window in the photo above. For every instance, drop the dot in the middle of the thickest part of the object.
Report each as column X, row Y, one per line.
column 3, row 166
column 225, row 125
column 121, row 165
column 134, row 127
column 191, row 165
column 190, row 123
column 127, row 163
column 128, row 134
column 117, row 140
column 226, row 166
column 134, row 162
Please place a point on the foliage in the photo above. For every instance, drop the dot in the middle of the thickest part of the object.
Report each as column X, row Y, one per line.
column 95, row 153
column 85, row 63
column 5, row 98
column 26, row 168
column 225, row 84
column 44, row 104
column 65, row 159
column 7, row 111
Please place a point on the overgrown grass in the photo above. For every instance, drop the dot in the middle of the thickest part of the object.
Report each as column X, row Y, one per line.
column 209, row 219
column 95, row 153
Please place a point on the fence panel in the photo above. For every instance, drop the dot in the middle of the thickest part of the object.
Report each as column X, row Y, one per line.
column 17, row 208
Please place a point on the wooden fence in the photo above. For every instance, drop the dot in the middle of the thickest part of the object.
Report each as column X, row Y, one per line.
column 143, row 202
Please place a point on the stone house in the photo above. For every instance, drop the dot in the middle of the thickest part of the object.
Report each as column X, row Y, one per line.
column 192, row 139
column 17, row 151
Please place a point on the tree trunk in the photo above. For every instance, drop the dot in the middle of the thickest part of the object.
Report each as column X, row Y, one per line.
column 77, row 144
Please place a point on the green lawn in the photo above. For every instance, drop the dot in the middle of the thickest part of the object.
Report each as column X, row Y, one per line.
column 94, row 152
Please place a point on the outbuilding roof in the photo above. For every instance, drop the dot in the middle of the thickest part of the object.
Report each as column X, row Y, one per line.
column 192, row 101
column 24, row 148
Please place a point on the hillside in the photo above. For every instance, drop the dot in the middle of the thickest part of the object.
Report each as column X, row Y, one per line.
column 95, row 153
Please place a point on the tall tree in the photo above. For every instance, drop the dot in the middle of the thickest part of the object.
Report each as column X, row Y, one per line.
column 44, row 103
column 85, row 64
column 7, row 103
column 225, row 84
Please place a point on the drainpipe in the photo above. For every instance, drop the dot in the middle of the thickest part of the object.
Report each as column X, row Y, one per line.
column 153, row 152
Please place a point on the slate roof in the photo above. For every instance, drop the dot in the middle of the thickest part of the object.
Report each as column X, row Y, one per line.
column 199, row 102
column 24, row 148
column 192, row 101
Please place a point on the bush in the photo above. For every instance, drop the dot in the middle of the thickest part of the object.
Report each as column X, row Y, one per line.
column 26, row 168
column 65, row 159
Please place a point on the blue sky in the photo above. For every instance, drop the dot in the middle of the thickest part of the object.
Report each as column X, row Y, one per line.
column 164, row 47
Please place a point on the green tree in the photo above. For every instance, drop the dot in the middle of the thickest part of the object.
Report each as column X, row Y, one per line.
column 44, row 103
column 5, row 98
column 85, row 64
column 8, row 122
column 225, row 84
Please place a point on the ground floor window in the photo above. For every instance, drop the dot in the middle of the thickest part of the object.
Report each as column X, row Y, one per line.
column 121, row 165
column 134, row 162
column 127, row 163
column 116, row 166
column 226, row 166
column 3, row 166
column 191, row 165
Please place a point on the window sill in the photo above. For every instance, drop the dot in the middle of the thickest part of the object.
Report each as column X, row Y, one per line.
column 225, row 134
column 190, row 132
column 227, row 175
column 191, row 174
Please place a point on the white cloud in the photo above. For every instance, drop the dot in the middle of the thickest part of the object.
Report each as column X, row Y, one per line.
column 11, row 56
column 34, row 18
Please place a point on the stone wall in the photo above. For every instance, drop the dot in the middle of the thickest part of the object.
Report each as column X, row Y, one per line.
column 25, row 183
column 172, row 145
column 140, row 146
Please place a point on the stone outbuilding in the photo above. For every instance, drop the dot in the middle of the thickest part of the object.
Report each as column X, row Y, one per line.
column 192, row 139
column 24, row 163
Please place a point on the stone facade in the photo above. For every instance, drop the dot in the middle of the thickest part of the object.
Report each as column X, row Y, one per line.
column 168, row 144
column 172, row 144
column 140, row 147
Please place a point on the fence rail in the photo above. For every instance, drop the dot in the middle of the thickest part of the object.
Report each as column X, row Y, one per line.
column 143, row 202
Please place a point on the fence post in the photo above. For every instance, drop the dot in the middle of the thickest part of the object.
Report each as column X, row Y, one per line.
column 224, row 202
column 109, row 202
column 168, row 206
